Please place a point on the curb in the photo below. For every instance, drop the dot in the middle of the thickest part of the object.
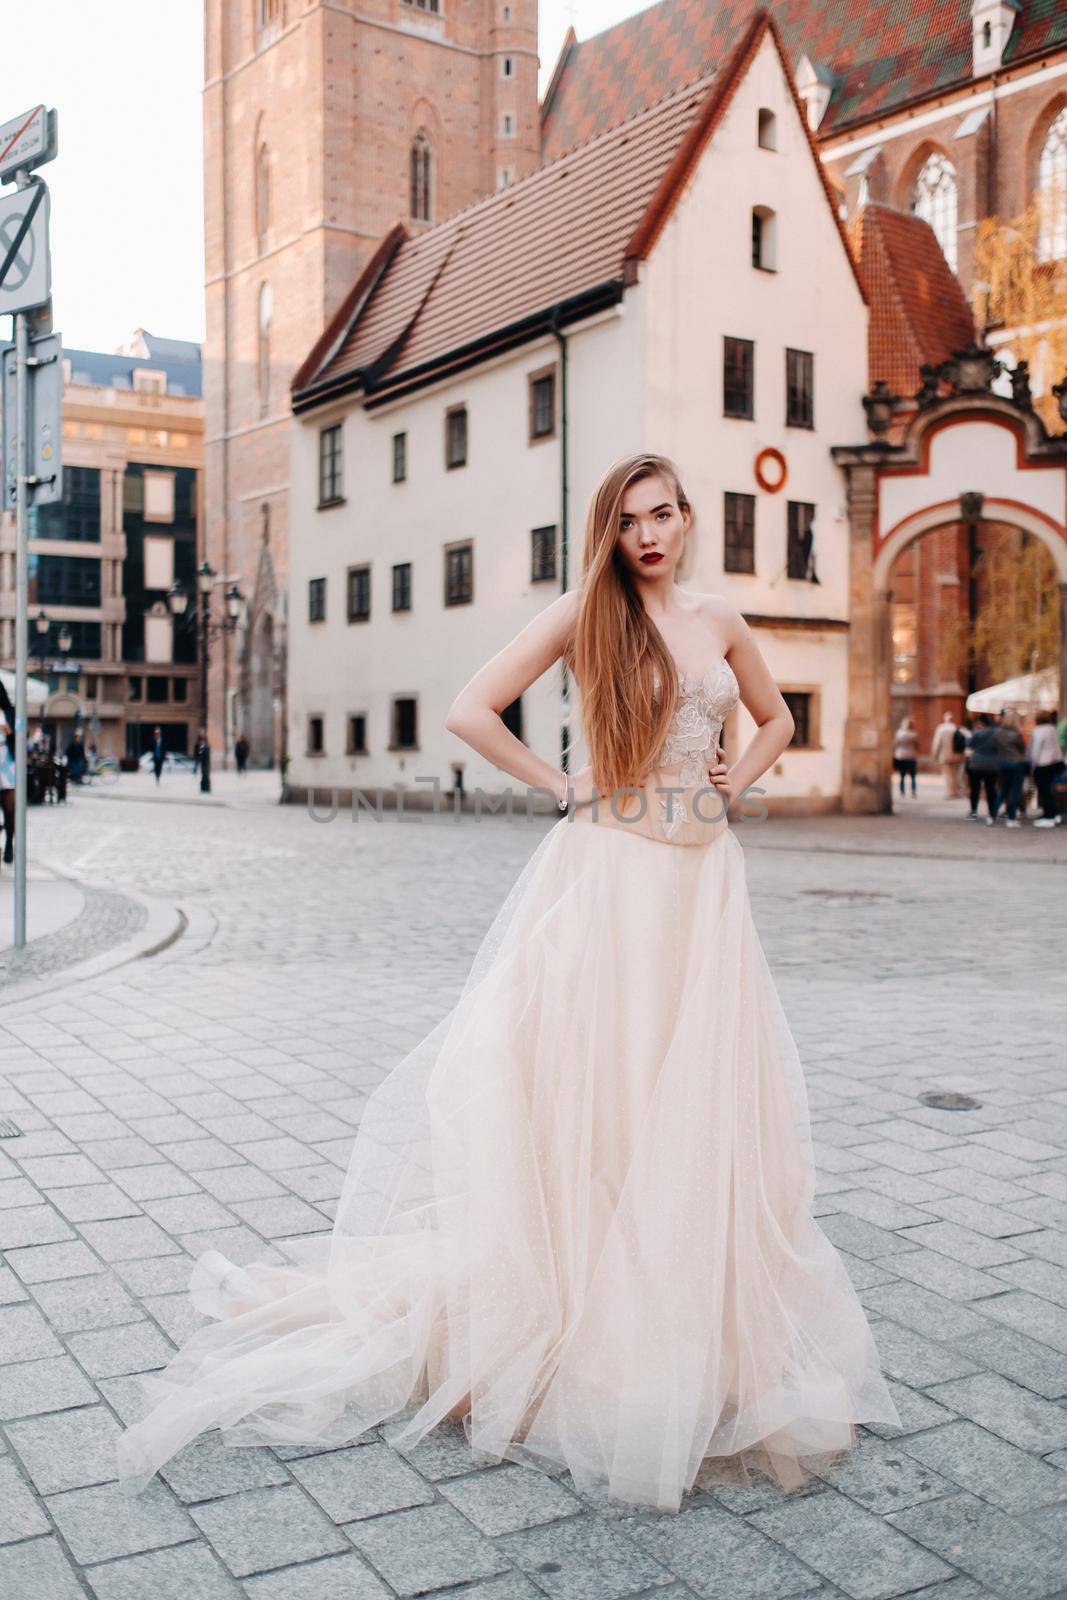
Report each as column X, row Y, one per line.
column 164, row 925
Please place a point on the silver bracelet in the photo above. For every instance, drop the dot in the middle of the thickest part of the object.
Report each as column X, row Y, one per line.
column 563, row 800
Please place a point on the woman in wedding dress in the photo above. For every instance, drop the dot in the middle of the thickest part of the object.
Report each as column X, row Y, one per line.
column 577, row 1215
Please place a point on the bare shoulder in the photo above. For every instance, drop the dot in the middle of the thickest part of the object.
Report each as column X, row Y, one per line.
column 722, row 618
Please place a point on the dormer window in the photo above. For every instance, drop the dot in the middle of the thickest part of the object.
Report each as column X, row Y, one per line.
column 991, row 24
column 768, row 129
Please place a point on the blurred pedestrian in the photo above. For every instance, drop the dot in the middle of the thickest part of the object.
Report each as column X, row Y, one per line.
column 1047, row 764
column 159, row 752
column 982, row 767
column 943, row 751
column 240, row 753
column 7, row 772
column 906, row 753
column 76, row 757
column 1013, row 764
column 961, row 743
column 202, row 760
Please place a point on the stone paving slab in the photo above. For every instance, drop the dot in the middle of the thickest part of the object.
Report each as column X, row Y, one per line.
column 206, row 1098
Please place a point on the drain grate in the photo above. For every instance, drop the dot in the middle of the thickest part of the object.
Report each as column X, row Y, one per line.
column 9, row 1129
column 949, row 1100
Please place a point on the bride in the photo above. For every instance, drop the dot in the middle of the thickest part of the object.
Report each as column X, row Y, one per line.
column 578, row 1215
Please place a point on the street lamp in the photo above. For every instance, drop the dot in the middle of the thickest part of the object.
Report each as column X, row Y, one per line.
column 200, row 618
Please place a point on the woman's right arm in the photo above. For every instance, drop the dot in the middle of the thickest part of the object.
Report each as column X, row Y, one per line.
column 474, row 715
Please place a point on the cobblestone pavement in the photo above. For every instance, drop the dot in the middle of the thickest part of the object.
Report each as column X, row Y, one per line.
column 208, row 1096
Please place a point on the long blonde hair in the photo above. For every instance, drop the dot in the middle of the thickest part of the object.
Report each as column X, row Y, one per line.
column 617, row 653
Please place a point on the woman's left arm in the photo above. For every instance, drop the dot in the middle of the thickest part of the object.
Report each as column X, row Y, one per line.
column 764, row 703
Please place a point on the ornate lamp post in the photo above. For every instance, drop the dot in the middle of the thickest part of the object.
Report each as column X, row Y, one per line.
column 206, row 629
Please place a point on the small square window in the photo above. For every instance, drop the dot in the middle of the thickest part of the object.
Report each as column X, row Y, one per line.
column 133, row 689
column 331, row 465
column 400, row 457
column 179, row 690
column 405, row 729
column 739, row 518
column 542, row 404
column 317, row 600
column 316, row 736
column 358, row 594
column 768, row 130
column 800, row 551
column 357, row 735
column 542, row 554
column 801, row 710
column 459, row 574
column 456, row 436
column 157, row 691
column 402, row 586
column 799, row 389
column 738, row 377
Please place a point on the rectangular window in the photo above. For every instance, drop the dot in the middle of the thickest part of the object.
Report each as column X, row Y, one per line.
column 77, row 515
column 542, row 397
column 405, row 725
column 459, row 574
column 331, row 466
column 400, row 457
column 157, row 691
column 456, row 436
column 799, row 389
column 158, row 561
column 159, row 497
column 402, row 586
column 800, row 555
column 179, row 690
column 316, row 736
column 317, row 600
column 800, row 709
column 739, row 545
column 738, row 377
column 133, row 688
column 358, row 594
column 357, row 735
column 542, row 554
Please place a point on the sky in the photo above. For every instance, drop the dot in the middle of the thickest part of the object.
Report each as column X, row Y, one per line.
column 126, row 190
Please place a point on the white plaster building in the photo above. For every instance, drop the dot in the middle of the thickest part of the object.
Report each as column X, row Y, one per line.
column 679, row 283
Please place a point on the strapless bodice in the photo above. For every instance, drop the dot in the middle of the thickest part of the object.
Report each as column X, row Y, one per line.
column 675, row 804
column 705, row 700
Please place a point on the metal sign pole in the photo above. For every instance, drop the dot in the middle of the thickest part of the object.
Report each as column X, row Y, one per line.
column 22, row 530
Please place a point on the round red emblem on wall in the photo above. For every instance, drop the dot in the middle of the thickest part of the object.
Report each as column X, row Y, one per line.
column 771, row 470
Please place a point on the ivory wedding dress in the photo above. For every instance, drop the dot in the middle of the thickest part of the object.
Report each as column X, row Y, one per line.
column 578, row 1214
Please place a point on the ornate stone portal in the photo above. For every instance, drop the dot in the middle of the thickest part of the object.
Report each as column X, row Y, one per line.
column 965, row 454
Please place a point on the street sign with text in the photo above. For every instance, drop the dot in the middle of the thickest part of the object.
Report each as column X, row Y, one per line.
column 27, row 141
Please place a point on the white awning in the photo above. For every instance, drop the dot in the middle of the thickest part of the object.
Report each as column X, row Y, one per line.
column 1034, row 691
column 36, row 688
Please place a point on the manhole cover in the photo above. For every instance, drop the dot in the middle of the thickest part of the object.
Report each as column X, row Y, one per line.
column 9, row 1130
column 949, row 1100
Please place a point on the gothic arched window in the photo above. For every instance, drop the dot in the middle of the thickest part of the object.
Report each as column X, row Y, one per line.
column 262, row 186
column 936, row 200
column 420, row 177
column 263, row 347
column 1052, row 190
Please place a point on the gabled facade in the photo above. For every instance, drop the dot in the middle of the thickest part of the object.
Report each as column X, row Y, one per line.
column 679, row 283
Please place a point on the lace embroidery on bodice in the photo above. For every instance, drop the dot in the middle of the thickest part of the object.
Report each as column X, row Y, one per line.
column 705, row 700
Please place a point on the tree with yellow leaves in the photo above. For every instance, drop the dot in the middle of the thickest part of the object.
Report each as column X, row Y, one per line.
column 1020, row 294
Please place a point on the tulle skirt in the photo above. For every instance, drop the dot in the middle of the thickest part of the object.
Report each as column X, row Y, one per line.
column 577, row 1215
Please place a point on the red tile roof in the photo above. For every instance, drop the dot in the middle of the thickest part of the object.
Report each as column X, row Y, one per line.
column 568, row 235
column 919, row 313
column 882, row 54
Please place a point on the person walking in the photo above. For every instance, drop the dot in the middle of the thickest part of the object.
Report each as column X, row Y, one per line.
column 202, row 760
column 578, row 1214
column 906, row 753
column 7, row 772
column 159, row 751
column 1046, row 764
column 943, row 751
column 1013, row 764
column 982, row 767
column 76, row 757
column 240, row 754
column 961, row 744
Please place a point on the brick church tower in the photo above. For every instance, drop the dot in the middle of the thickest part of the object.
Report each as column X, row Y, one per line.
column 324, row 122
